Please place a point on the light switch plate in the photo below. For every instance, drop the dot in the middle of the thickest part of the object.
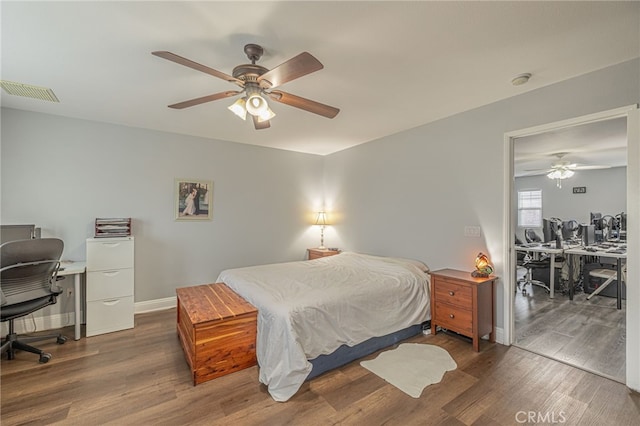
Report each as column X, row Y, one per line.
column 472, row 231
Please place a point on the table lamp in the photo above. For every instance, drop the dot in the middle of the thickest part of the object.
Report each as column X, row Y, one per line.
column 483, row 266
column 321, row 220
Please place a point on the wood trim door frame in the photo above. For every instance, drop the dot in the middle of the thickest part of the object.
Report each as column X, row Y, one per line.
column 632, row 114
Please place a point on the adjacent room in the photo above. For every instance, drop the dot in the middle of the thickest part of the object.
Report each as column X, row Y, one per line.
column 571, row 188
column 258, row 212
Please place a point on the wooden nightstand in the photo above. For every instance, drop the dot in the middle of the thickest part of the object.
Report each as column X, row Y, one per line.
column 315, row 253
column 464, row 304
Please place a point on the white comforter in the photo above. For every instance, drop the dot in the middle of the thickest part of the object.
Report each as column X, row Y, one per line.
column 310, row 308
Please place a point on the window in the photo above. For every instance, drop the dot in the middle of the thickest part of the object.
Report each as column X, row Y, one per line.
column 530, row 208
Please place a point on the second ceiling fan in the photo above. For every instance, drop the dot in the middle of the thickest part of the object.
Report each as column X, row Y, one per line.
column 562, row 169
column 258, row 82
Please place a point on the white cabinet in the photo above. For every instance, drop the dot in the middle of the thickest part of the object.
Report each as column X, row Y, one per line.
column 110, row 284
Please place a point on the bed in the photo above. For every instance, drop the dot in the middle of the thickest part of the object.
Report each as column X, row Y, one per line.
column 317, row 310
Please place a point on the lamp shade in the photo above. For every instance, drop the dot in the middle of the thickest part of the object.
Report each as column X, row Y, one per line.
column 256, row 105
column 560, row 174
column 321, row 219
column 266, row 115
column 238, row 108
column 483, row 266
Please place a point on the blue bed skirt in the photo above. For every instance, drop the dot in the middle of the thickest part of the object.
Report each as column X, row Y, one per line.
column 345, row 354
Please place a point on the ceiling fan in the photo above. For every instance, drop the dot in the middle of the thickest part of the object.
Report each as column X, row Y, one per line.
column 561, row 169
column 258, row 82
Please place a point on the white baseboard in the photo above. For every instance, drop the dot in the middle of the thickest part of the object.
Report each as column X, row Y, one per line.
column 31, row 323
column 155, row 305
column 500, row 335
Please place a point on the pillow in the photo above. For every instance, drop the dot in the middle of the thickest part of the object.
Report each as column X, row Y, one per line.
column 417, row 263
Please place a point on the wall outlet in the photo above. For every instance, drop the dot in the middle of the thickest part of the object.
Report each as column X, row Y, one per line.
column 69, row 292
column 472, row 231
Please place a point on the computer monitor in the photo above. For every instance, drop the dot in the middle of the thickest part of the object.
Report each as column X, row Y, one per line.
column 570, row 229
column 608, row 226
column 587, row 234
column 550, row 229
column 622, row 226
column 18, row 232
column 595, row 219
column 622, row 221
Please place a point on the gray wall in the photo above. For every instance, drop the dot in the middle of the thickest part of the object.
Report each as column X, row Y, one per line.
column 409, row 194
column 606, row 194
column 412, row 193
column 62, row 173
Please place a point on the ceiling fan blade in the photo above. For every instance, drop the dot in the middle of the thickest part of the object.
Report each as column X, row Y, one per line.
column 204, row 99
column 196, row 66
column 531, row 173
column 259, row 125
column 305, row 104
column 303, row 64
column 538, row 170
column 592, row 167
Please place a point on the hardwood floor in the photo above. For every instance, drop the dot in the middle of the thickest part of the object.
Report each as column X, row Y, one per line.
column 140, row 377
column 589, row 334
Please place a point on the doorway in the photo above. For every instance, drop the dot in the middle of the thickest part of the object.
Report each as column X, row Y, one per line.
column 632, row 342
column 588, row 332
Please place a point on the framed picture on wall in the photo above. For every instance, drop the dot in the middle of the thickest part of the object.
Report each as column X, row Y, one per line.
column 193, row 199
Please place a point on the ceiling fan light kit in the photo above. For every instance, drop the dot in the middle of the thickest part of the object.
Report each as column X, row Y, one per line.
column 561, row 170
column 257, row 83
column 559, row 175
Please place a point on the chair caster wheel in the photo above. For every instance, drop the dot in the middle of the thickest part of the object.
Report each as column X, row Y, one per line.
column 61, row 339
column 524, row 292
column 44, row 358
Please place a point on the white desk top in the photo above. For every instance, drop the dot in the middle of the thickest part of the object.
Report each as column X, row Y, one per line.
column 598, row 252
column 71, row 268
column 542, row 248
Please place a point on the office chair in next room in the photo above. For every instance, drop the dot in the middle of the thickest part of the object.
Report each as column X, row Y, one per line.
column 530, row 263
column 531, row 236
column 28, row 274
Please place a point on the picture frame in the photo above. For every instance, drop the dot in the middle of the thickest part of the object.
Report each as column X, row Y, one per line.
column 193, row 199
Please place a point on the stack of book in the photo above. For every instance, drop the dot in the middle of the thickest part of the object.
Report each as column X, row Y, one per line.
column 113, row 227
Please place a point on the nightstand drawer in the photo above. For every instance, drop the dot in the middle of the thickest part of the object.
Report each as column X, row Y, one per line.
column 449, row 291
column 454, row 318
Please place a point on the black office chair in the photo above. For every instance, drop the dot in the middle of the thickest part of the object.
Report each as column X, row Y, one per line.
column 530, row 263
column 531, row 236
column 28, row 275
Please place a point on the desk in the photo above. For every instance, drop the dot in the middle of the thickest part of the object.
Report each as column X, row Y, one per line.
column 601, row 252
column 77, row 269
column 552, row 267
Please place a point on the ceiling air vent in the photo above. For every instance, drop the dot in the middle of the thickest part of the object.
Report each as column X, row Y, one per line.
column 26, row 90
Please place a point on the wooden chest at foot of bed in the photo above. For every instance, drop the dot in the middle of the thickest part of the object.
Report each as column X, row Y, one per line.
column 217, row 330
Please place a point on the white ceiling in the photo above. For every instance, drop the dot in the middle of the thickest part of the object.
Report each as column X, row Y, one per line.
column 601, row 144
column 389, row 66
